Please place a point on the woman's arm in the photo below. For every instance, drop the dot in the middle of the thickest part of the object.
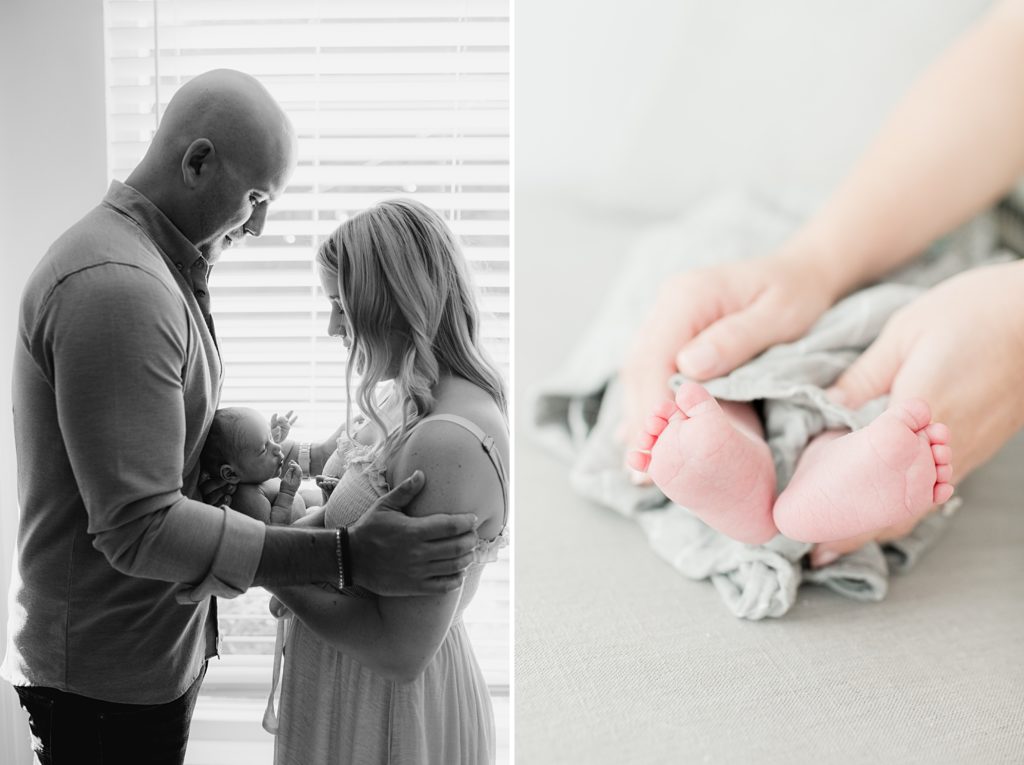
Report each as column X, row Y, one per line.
column 398, row 636
column 952, row 146
column 318, row 453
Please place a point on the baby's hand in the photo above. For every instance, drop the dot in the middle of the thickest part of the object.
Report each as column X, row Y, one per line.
column 281, row 425
column 291, row 477
column 326, row 484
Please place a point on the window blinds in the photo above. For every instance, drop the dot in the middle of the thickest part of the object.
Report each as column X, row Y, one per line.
column 389, row 98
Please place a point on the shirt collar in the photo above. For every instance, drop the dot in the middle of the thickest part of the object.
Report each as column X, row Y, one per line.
column 168, row 237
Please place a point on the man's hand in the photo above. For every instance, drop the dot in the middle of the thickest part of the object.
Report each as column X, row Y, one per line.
column 393, row 554
column 960, row 347
column 707, row 322
column 215, row 490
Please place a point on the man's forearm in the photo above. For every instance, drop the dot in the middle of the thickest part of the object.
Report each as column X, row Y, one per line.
column 952, row 146
column 298, row 556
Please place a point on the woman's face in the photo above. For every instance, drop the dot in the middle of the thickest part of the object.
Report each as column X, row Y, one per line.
column 339, row 326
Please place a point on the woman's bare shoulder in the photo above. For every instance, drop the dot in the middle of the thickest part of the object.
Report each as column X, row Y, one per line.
column 460, row 474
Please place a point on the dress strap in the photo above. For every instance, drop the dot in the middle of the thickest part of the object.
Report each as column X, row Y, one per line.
column 487, row 442
column 270, row 717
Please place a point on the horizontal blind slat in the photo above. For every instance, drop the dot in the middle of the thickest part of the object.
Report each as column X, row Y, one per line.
column 187, row 33
column 130, row 12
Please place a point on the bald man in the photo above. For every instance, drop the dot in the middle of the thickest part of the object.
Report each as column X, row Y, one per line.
column 117, row 377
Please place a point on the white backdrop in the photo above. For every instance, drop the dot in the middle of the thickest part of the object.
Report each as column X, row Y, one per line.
column 641, row 105
column 54, row 170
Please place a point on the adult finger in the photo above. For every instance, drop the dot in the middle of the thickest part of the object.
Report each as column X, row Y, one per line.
column 827, row 552
column 403, row 494
column 871, row 375
column 460, row 528
column 448, row 567
column 442, row 584
column 729, row 342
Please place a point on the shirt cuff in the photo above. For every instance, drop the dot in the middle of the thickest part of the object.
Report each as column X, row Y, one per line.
column 235, row 563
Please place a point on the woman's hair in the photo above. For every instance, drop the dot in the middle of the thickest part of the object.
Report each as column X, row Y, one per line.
column 400, row 268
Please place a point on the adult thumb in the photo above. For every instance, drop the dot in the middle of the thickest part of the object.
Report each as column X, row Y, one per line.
column 726, row 344
column 402, row 495
column 870, row 376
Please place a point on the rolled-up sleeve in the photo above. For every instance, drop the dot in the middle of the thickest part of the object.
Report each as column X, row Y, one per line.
column 119, row 340
column 234, row 565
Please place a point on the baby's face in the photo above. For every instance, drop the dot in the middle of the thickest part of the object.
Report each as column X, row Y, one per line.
column 259, row 457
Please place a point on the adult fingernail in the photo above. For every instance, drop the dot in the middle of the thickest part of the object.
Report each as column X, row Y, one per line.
column 823, row 558
column 698, row 360
column 476, row 523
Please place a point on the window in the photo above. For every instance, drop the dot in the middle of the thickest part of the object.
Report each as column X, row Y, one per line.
column 389, row 98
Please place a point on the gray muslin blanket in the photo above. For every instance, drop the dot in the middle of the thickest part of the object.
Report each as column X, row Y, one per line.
column 576, row 411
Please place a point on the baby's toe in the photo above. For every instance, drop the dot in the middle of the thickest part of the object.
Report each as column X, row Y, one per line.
column 938, row 433
column 694, row 400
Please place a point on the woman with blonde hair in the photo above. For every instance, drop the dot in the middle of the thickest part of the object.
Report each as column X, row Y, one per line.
column 370, row 679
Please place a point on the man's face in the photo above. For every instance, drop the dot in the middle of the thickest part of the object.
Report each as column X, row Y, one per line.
column 237, row 205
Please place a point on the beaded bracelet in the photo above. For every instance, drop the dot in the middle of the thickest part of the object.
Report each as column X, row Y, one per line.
column 346, row 558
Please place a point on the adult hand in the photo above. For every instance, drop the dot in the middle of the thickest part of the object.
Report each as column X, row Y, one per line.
column 327, row 484
column 960, row 347
column 393, row 554
column 215, row 490
column 705, row 323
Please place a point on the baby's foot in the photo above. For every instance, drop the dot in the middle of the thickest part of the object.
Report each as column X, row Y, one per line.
column 891, row 471
column 702, row 461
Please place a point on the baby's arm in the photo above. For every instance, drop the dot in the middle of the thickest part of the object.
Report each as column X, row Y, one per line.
column 288, row 507
column 250, row 500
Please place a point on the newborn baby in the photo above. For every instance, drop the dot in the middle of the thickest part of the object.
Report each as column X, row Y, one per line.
column 711, row 457
column 241, row 450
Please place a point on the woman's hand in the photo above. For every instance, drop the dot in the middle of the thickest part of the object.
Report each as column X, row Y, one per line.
column 705, row 323
column 960, row 347
column 326, row 484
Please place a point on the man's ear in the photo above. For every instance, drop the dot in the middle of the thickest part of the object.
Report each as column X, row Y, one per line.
column 197, row 160
column 227, row 472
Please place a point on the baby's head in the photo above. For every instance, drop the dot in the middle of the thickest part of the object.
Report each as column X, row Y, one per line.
column 240, row 447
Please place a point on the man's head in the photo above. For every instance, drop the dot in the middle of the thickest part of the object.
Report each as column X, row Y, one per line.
column 223, row 151
column 240, row 447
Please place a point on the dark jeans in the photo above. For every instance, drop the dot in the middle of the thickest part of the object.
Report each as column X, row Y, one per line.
column 67, row 728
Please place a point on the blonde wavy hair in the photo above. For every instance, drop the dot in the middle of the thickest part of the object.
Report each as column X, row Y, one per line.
column 400, row 268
